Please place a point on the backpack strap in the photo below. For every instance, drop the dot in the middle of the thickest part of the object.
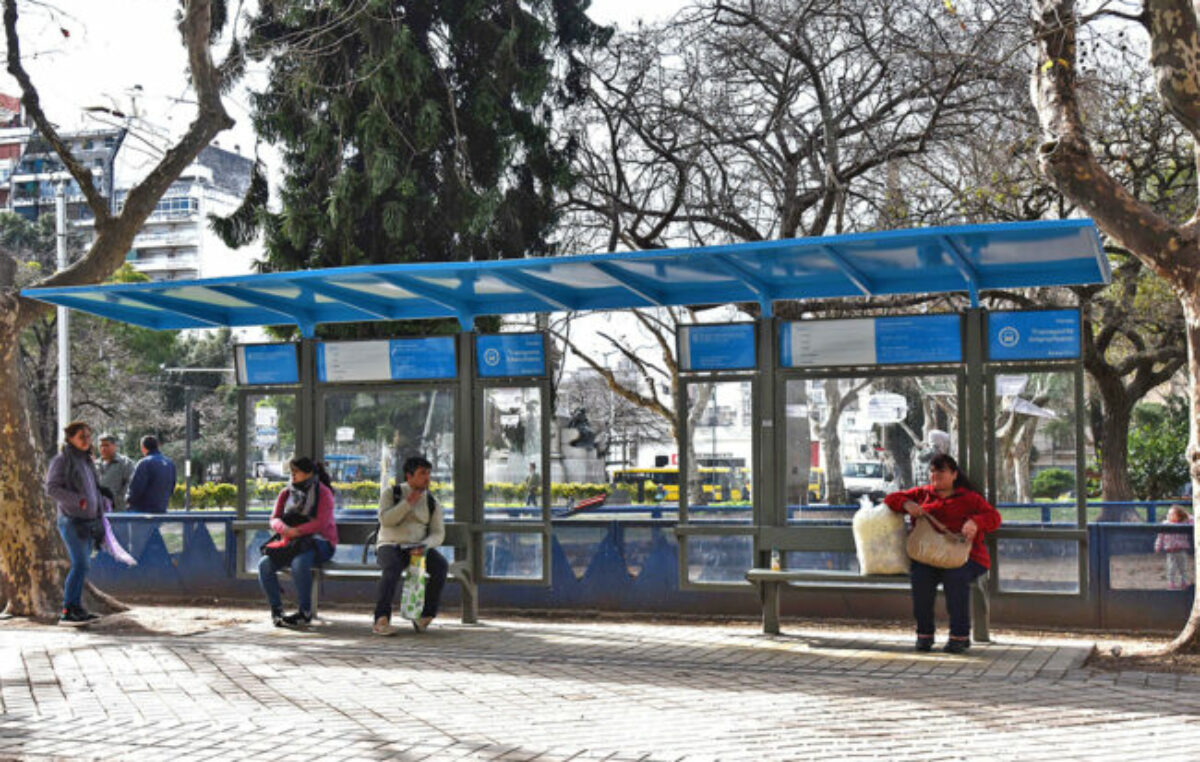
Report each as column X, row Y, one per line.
column 373, row 537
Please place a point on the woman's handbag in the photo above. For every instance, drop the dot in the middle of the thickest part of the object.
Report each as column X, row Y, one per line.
column 412, row 596
column 932, row 544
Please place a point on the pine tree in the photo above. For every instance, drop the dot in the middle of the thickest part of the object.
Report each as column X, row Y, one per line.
column 419, row 130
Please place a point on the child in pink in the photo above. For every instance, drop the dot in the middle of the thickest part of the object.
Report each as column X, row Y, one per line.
column 1177, row 547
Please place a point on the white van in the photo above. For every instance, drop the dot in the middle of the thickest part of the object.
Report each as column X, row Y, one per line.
column 866, row 477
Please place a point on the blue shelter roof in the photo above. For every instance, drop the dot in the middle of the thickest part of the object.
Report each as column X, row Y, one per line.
column 968, row 258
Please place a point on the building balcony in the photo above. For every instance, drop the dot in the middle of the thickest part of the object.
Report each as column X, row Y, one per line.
column 163, row 264
column 147, row 240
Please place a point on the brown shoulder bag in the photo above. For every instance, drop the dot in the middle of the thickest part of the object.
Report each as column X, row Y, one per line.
column 931, row 543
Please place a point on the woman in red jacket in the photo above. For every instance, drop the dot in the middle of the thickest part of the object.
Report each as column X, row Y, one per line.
column 952, row 500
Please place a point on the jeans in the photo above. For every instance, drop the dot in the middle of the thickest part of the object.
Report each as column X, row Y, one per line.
column 80, row 553
column 956, row 583
column 302, row 566
column 394, row 561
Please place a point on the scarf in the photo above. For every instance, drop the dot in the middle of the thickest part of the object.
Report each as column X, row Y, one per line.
column 301, row 501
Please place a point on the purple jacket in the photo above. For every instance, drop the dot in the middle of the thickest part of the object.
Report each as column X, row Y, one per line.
column 71, row 478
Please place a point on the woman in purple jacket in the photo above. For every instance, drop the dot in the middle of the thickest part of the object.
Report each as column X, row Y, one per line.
column 74, row 484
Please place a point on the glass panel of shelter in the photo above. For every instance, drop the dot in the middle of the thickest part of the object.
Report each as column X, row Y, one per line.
column 515, row 541
column 1036, row 480
column 713, row 476
column 512, row 457
column 862, row 435
column 366, row 435
column 859, row 434
column 269, row 435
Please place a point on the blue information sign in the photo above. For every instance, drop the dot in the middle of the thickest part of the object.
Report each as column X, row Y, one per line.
column 912, row 339
column 501, row 355
column 918, row 339
column 266, row 364
column 430, row 357
column 391, row 360
column 1033, row 335
column 717, row 347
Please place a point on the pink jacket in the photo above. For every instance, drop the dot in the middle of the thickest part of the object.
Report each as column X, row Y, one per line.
column 323, row 524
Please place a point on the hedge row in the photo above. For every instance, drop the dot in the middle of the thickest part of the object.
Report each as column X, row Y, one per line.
column 213, row 495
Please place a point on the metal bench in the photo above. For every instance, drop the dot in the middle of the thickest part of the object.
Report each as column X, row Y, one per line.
column 458, row 536
column 837, row 538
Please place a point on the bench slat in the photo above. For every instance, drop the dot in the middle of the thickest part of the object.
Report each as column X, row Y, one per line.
column 819, row 575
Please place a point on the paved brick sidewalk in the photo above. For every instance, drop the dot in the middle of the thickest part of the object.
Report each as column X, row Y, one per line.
column 550, row 691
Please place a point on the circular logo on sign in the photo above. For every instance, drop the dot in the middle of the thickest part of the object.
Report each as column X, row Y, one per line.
column 492, row 357
column 1009, row 336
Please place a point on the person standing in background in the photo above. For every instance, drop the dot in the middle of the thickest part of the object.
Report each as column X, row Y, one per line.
column 533, row 485
column 116, row 470
column 1177, row 546
column 153, row 480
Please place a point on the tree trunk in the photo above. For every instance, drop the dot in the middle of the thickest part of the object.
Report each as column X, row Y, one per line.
column 32, row 560
column 705, row 396
column 1022, row 448
column 831, row 441
column 1188, row 640
column 1065, row 156
column 1114, row 465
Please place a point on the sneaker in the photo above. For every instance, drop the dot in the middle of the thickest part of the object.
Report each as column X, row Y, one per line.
column 86, row 615
column 924, row 645
column 383, row 627
column 957, row 646
column 277, row 618
column 299, row 619
column 72, row 618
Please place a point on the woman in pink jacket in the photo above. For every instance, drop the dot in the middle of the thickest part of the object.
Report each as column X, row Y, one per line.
column 952, row 500
column 303, row 519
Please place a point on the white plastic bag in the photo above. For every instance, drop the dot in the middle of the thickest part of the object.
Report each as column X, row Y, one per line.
column 412, row 595
column 879, row 537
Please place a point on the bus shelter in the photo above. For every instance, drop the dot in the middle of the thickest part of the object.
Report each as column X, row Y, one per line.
column 961, row 375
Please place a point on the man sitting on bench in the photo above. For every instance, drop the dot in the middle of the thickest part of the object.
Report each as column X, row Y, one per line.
column 410, row 522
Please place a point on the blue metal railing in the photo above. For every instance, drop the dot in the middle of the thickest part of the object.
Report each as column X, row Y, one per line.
column 622, row 562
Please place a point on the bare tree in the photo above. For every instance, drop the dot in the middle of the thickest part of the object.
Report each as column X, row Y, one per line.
column 758, row 119
column 1170, row 248
column 31, row 557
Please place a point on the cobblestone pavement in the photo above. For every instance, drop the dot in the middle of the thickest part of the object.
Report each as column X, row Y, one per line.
column 544, row 690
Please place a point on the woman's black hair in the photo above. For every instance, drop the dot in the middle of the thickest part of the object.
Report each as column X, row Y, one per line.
column 943, row 461
column 310, row 466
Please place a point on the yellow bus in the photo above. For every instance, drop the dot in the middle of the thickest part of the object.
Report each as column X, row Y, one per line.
column 719, row 484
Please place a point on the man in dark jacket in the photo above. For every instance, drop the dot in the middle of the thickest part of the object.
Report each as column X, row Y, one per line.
column 153, row 480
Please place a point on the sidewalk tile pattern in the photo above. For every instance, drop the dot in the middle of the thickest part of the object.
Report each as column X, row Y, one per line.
column 542, row 690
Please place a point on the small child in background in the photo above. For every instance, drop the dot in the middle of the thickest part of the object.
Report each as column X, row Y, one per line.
column 1176, row 545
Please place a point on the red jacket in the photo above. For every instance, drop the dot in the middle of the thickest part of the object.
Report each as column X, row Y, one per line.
column 954, row 511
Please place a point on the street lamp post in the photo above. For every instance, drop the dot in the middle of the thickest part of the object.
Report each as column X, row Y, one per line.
column 63, row 316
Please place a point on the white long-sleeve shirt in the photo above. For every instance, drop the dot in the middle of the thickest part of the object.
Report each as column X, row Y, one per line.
column 404, row 523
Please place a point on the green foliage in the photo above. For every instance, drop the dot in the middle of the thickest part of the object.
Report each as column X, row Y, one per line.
column 414, row 131
column 1053, row 482
column 206, row 496
column 1157, row 449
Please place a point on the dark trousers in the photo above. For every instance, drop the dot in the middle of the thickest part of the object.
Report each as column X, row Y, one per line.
column 393, row 561
column 956, row 583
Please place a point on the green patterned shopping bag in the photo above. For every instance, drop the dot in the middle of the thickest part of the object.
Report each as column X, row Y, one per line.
column 412, row 596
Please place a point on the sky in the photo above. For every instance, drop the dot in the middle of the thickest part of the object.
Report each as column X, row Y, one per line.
column 83, row 53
